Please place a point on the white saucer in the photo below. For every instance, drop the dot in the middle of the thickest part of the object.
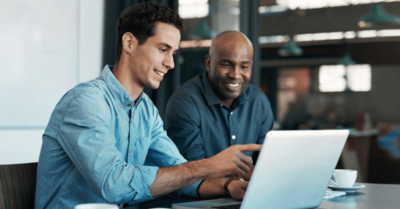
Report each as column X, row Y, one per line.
column 346, row 189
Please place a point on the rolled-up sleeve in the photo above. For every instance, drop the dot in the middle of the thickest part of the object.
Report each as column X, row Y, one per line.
column 85, row 136
column 183, row 126
column 165, row 153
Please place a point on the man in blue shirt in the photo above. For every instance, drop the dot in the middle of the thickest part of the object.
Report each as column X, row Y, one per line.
column 218, row 109
column 105, row 140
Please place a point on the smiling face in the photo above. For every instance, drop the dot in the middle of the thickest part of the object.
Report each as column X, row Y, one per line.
column 149, row 62
column 229, row 65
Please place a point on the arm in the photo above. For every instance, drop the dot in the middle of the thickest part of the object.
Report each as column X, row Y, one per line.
column 230, row 161
column 87, row 141
column 165, row 154
column 215, row 187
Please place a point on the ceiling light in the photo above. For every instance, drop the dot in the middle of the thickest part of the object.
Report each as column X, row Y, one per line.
column 346, row 60
column 202, row 31
column 290, row 49
column 378, row 15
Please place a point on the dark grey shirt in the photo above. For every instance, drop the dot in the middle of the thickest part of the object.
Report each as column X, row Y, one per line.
column 201, row 126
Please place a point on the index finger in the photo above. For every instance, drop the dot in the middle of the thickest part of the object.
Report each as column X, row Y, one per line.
column 249, row 147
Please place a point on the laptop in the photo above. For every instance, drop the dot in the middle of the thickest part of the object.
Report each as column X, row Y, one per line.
column 293, row 171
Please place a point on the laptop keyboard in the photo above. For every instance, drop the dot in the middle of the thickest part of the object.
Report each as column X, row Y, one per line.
column 237, row 206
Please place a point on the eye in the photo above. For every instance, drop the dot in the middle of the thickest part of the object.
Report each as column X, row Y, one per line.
column 224, row 64
column 163, row 50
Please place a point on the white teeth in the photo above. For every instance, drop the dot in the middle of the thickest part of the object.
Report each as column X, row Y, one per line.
column 159, row 73
column 233, row 84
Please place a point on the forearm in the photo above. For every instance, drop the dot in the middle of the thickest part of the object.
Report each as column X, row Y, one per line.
column 170, row 179
column 231, row 161
column 212, row 187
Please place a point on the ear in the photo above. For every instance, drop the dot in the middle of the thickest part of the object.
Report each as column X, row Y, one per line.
column 208, row 63
column 129, row 42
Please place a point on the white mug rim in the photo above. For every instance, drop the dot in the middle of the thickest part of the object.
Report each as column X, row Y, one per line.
column 101, row 205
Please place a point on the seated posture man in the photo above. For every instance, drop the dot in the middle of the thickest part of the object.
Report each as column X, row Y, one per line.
column 105, row 141
column 213, row 111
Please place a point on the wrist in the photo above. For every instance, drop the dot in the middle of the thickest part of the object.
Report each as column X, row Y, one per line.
column 198, row 168
column 227, row 182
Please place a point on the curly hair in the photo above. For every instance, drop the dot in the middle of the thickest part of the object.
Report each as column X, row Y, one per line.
column 140, row 20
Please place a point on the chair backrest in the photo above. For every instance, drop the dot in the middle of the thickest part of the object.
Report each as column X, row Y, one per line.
column 17, row 186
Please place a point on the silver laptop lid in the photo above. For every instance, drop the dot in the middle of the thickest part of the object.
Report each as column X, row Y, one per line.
column 294, row 169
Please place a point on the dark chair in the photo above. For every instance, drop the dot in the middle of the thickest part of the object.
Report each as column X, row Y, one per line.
column 17, row 186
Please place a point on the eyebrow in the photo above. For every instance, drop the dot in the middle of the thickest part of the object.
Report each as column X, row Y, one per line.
column 246, row 62
column 231, row 62
column 226, row 60
column 168, row 46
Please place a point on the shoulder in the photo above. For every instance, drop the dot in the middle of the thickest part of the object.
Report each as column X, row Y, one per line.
column 259, row 102
column 193, row 87
column 94, row 90
column 88, row 95
column 185, row 100
column 255, row 94
column 189, row 93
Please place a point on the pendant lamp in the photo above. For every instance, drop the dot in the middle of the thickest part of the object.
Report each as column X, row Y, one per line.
column 290, row 49
column 346, row 60
column 378, row 15
column 202, row 31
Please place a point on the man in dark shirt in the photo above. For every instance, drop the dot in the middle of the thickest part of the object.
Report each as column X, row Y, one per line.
column 218, row 109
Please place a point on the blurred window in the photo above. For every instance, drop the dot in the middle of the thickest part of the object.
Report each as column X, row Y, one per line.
column 272, row 39
column 193, row 8
column 331, row 36
column 312, row 4
column 338, row 78
column 359, row 77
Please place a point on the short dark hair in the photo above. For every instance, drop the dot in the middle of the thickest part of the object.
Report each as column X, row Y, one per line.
column 140, row 20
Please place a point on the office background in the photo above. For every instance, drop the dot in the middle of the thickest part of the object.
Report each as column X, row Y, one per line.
column 319, row 64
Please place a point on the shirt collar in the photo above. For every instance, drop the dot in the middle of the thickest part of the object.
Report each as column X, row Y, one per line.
column 211, row 96
column 117, row 90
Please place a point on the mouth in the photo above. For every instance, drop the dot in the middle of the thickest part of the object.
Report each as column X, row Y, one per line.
column 232, row 86
column 159, row 73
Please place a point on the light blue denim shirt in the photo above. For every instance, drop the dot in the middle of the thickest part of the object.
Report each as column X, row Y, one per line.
column 101, row 146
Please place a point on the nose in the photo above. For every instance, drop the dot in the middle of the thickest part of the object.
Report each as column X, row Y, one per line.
column 235, row 73
column 169, row 61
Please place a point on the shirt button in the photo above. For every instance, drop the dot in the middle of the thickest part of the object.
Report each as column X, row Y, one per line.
column 233, row 137
column 130, row 104
column 122, row 106
column 131, row 121
column 130, row 151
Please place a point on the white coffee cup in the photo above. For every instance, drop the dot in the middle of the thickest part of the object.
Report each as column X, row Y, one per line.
column 96, row 206
column 344, row 178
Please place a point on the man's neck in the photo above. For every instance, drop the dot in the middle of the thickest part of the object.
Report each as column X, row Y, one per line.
column 124, row 76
